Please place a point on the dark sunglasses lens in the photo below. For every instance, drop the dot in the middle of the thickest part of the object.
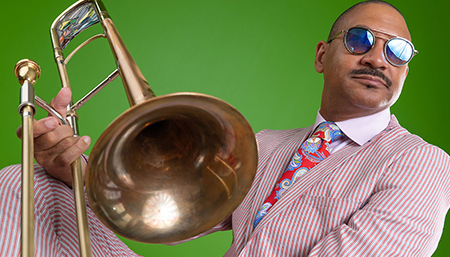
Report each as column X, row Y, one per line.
column 399, row 51
column 359, row 40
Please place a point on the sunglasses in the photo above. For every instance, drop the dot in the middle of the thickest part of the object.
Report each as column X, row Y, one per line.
column 398, row 51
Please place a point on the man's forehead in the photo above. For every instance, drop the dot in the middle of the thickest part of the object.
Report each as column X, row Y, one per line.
column 377, row 17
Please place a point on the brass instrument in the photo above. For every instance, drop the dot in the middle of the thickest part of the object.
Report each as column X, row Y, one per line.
column 168, row 168
column 27, row 72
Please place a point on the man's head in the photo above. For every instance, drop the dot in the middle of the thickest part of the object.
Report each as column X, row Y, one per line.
column 337, row 23
column 360, row 85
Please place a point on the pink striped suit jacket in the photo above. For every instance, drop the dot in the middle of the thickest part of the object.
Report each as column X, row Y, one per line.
column 388, row 197
column 55, row 223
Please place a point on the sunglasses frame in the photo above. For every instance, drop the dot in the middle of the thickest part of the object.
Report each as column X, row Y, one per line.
column 391, row 37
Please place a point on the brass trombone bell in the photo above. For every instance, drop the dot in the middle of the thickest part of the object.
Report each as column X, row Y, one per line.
column 171, row 168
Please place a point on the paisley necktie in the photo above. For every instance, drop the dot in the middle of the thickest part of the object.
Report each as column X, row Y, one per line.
column 311, row 152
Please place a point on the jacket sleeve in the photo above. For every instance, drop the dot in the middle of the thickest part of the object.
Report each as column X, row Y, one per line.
column 55, row 222
column 404, row 216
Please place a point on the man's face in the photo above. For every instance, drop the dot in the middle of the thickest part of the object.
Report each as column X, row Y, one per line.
column 349, row 95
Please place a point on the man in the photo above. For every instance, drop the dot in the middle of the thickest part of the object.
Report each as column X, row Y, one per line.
column 381, row 191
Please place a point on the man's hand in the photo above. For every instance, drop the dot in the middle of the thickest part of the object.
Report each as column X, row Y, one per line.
column 55, row 148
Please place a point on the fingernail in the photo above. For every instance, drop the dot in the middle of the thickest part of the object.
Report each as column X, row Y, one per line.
column 65, row 91
column 87, row 139
column 51, row 123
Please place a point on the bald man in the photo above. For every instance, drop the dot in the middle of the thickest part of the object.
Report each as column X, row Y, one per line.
column 382, row 191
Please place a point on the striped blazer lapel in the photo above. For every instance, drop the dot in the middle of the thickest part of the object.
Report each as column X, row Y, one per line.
column 272, row 172
column 311, row 178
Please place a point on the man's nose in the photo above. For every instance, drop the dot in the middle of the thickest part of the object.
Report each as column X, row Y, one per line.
column 375, row 57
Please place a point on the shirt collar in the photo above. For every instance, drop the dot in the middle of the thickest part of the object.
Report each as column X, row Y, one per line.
column 361, row 129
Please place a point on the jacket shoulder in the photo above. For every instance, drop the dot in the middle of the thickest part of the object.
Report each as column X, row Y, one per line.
column 270, row 139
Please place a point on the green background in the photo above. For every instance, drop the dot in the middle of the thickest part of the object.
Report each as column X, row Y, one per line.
column 257, row 55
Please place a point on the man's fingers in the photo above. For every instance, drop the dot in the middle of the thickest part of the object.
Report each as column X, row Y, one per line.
column 58, row 159
column 72, row 153
column 65, row 152
column 40, row 127
column 62, row 100
column 19, row 132
column 44, row 125
column 61, row 136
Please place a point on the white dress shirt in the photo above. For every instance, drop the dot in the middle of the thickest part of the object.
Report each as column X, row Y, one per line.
column 359, row 130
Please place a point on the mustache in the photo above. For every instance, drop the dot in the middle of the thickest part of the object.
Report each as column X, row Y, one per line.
column 372, row 72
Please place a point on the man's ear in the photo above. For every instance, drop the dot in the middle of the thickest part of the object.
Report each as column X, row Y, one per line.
column 321, row 49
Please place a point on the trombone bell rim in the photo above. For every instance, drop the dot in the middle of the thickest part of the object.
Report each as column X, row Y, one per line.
column 171, row 167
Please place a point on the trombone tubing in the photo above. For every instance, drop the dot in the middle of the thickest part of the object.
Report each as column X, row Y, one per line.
column 27, row 203
column 84, row 241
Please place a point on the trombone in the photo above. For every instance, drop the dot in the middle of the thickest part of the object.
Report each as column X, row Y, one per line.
column 168, row 168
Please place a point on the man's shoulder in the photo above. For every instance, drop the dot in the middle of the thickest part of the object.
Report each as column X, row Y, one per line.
column 399, row 138
column 271, row 139
column 270, row 134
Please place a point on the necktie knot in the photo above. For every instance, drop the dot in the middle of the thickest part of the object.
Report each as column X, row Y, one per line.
column 328, row 131
column 316, row 146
